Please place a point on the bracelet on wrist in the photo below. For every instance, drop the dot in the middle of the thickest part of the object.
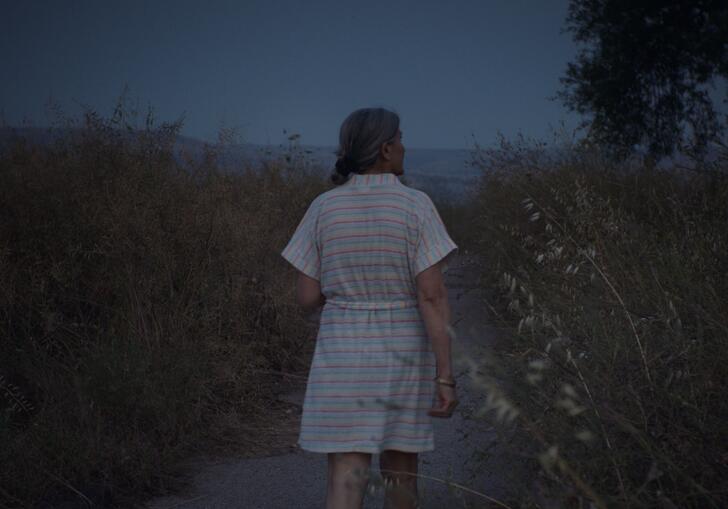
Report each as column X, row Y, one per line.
column 445, row 381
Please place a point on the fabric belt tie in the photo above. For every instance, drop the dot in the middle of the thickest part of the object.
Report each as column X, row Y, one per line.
column 368, row 304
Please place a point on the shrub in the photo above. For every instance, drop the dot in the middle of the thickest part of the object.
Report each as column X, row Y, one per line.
column 612, row 281
column 141, row 300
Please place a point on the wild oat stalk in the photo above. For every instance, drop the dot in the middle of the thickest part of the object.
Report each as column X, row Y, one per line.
column 606, row 279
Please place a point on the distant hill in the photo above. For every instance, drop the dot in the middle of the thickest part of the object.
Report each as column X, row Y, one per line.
column 442, row 173
column 446, row 174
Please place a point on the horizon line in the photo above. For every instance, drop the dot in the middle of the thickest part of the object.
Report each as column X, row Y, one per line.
column 209, row 141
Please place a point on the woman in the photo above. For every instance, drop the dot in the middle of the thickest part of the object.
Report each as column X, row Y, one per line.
column 372, row 251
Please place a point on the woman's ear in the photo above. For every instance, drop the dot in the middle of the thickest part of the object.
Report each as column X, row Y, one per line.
column 386, row 151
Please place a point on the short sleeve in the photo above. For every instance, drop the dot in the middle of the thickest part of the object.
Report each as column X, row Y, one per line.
column 302, row 250
column 433, row 243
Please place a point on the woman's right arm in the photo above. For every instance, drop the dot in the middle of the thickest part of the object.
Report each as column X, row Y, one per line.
column 435, row 310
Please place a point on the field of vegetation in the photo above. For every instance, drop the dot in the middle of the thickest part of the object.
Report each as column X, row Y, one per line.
column 610, row 284
column 145, row 311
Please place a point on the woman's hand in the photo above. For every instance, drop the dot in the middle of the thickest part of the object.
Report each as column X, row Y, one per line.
column 445, row 401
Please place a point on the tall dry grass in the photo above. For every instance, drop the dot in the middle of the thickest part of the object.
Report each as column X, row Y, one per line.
column 142, row 302
column 612, row 285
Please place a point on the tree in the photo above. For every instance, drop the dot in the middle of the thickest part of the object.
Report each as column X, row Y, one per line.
column 643, row 76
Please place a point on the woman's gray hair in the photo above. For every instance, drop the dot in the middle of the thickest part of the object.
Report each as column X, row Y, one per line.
column 361, row 136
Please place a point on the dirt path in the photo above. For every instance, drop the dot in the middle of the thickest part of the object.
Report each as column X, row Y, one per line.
column 467, row 451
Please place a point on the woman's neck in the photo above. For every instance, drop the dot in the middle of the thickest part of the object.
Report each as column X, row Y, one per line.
column 375, row 172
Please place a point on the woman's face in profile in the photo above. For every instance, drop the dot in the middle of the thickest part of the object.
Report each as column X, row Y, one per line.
column 397, row 153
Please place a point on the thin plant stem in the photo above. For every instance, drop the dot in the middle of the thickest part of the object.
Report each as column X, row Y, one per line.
column 450, row 483
column 601, row 425
column 609, row 284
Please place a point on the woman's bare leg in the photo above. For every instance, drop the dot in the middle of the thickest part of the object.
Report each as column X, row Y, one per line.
column 348, row 477
column 401, row 491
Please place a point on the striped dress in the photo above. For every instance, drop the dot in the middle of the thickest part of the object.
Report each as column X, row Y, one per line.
column 370, row 382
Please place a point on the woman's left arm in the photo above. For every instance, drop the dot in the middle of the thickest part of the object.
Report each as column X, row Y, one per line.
column 308, row 293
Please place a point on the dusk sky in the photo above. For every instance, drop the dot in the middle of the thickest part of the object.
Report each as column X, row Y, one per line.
column 455, row 71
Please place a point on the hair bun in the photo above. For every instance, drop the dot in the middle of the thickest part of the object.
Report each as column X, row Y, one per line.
column 344, row 165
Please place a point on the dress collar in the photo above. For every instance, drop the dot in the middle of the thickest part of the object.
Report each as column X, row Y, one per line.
column 370, row 179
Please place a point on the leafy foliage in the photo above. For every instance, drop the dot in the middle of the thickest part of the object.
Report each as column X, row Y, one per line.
column 643, row 73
